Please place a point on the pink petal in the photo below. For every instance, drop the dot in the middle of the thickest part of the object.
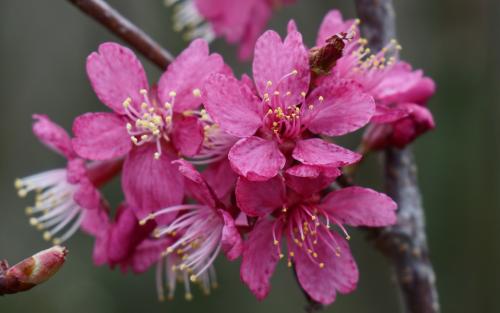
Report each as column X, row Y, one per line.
column 339, row 274
column 403, row 84
column 358, row 206
column 52, row 135
column 260, row 257
column 232, row 105
column 96, row 222
column 150, row 184
column 256, row 159
column 116, row 74
column 100, row 136
column 232, row 245
column 275, row 59
column 408, row 129
column 187, row 74
column 221, row 177
column 332, row 24
column 146, row 254
column 260, row 198
column 259, row 15
column 345, row 108
column 100, row 251
column 195, row 184
column 321, row 153
column 389, row 113
column 307, row 180
column 187, row 135
column 125, row 235
column 87, row 196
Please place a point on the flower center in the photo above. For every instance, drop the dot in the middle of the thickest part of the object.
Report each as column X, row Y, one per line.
column 149, row 123
column 303, row 227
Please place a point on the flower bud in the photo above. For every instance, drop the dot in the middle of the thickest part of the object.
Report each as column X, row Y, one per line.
column 31, row 271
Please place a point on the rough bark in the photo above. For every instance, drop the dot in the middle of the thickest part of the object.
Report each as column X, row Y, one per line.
column 405, row 244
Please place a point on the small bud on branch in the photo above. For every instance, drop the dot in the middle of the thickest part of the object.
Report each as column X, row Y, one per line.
column 31, row 271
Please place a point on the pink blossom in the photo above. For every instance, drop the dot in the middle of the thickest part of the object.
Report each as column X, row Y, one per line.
column 400, row 92
column 195, row 238
column 66, row 198
column 276, row 118
column 239, row 22
column 300, row 222
column 150, row 126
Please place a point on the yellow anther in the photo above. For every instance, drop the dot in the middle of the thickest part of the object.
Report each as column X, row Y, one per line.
column 134, row 140
column 188, row 296
column 347, row 237
column 320, row 98
column 310, row 107
column 303, row 94
column 168, row 105
column 143, row 92
column 275, row 124
column 321, row 265
column 276, row 93
column 156, row 155
column 144, row 105
column 269, row 83
column 56, row 241
column 295, row 72
column 161, row 298
column 197, row 92
column 292, row 254
column 288, row 93
column 193, row 278
column 289, row 264
column 315, row 255
column 281, row 256
column 276, row 242
column 127, row 102
column 357, row 21
column 28, row 210
column 47, row 236
column 33, row 221
column 22, row 193
column 129, row 126
column 284, row 209
column 172, row 94
column 18, row 183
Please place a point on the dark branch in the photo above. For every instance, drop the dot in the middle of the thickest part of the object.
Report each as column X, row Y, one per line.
column 123, row 28
column 405, row 244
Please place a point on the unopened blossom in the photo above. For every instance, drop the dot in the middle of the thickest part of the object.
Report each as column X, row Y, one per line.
column 31, row 271
column 239, row 22
column 296, row 224
column 150, row 126
column 66, row 198
column 195, row 238
column 277, row 114
column 400, row 92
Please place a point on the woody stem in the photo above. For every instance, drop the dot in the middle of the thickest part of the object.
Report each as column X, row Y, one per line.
column 404, row 244
column 126, row 30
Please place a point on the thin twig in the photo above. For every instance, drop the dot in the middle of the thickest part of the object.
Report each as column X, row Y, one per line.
column 123, row 28
column 405, row 244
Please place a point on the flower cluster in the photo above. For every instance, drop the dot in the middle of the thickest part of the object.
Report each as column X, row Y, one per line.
column 211, row 163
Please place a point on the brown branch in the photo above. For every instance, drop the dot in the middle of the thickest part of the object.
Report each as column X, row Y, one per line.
column 405, row 244
column 123, row 28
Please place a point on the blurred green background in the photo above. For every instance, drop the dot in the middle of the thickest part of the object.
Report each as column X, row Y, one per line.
column 43, row 46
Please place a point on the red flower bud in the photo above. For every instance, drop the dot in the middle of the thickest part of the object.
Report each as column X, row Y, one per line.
column 31, row 271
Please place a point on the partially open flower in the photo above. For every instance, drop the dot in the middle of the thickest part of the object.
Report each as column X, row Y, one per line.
column 200, row 231
column 66, row 198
